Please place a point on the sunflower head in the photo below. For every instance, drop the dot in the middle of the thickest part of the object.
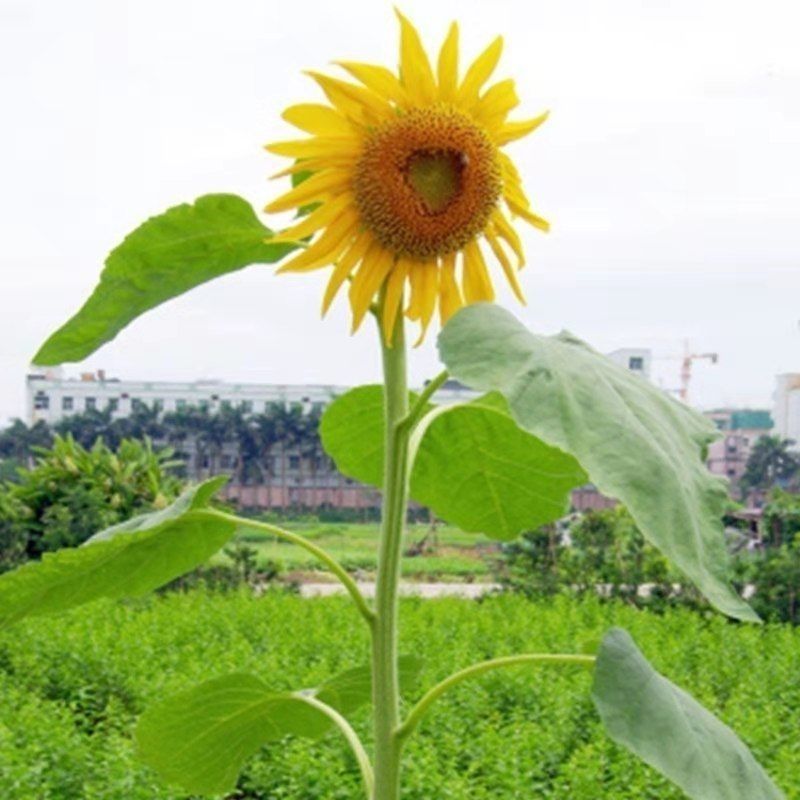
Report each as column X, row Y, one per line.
column 410, row 183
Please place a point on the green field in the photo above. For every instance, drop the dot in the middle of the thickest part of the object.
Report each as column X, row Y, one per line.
column 454, row 555
column 73, row 686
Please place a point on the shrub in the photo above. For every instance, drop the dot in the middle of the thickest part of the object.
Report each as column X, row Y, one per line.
column 72, row 493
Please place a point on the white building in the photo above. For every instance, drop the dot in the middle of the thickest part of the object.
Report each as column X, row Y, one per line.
column 786, row 411
column 50, row 396
column 636, row 359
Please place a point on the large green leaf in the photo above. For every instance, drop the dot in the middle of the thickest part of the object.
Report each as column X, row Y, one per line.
column 637, row 444
column 670, row 730
column 473, row 465
column 127, row 560
column 352, row 433
column 163, row 258
column 478, row 470
column 201, row 738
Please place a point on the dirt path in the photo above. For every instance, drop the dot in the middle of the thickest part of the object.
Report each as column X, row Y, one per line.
column 468, row 591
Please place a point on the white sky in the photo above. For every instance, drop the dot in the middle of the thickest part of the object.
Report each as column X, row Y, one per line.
column 670, row 169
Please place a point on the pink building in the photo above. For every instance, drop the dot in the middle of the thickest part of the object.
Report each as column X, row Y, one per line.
column 741, row 429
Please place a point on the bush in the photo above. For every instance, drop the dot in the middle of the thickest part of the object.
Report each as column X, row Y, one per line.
column 74, row 685
column 72, row 493
column 598, row 552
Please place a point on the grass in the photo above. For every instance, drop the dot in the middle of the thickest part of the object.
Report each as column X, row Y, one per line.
column 73, row 686
column 455, row 556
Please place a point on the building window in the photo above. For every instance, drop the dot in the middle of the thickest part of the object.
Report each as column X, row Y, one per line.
column 113, row 404
column 636, row 363
column 137, row 404
column 204, row 405
column 225, row 405
column 90, row 404
column 317, row 407
column 246, row 406
column 158, row 405
column 180, row 404
column 294, row 462
column 67, row 403
column 41, row 401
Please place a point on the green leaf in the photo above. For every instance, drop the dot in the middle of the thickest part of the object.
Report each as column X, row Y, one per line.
column 670, row 730
column 201, row 738
column 127, row 560
column 474, row 466
column 478, row 470
column 352, row 689
column 352, row 433
column 163, row 258
column 636, row 443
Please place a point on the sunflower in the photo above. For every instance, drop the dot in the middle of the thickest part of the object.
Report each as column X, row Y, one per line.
column 408, row 183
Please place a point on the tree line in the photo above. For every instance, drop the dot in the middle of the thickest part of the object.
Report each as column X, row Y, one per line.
column 254, row 448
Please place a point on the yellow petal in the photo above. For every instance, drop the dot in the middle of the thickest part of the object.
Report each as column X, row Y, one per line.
column 516, row 130
column 317, row 147
column 415, row 69
column 356, row 103
column 448, row 65
column 505, row 230
column 450, row 299
column 510, row 272
column 368, row 280
column 344, row 266
column 429, row 293
column 479, row 72
column 393, row 299
column 315, row 165
column 477, row 283
column 379, row 79
column 315, row 188
column 317, row 119
column 526, row 214
column 327, row 248
column 319, row 218
column 496, row 103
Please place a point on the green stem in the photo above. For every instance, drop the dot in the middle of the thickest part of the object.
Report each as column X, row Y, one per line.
column 385, row 683
column 333, row 565
column 421, row 708
column 352, row 739
column 418, row 409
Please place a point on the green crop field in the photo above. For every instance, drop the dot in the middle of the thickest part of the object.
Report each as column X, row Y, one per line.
column 73, row 686
column 452, row 555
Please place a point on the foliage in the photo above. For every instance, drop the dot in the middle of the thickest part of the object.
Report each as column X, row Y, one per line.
column 780, row 523
column 637, row 444
column 252, row 447
column 771, row 463
column 476, row 447
column 72, row 492
column 599, row 551
column 163, row 258
column 74, row 687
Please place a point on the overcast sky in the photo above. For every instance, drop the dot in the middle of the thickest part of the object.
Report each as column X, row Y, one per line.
column 670, row 169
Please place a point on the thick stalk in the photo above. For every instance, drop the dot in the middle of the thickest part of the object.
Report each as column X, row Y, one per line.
column 385, row 684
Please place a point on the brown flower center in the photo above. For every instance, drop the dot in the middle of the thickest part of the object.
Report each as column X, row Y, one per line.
column 427, row 182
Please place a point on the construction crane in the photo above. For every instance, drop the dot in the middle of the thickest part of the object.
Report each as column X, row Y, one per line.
column 687, row 361
column 686, row 368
